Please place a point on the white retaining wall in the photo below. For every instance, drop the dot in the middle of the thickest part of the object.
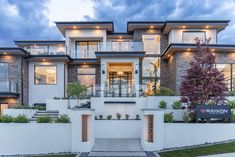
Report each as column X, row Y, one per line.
column 15, row 112
column 117, row 128
column 188, row 134
column 34, row 138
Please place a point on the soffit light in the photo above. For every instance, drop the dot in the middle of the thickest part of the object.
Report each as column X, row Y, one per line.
column 74, row 27
column 4, row 53
column 120, row 73
column 97, row 27
column 120, row 37
column 151, row 26
column 207, row 26
column 43, row 60
column 212, row 49
column 188, row 49
column 184, row 27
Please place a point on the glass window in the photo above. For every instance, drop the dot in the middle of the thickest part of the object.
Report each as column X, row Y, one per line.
column 45, row 74
column 57, row 50
column 86, row 76
column 151, row 44
column 3, row 76
column 189, row 37
column 38, row 50
column 86, row 49
column 149, row 65
column 226, row 70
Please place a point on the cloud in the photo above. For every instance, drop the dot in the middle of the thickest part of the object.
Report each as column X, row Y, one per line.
column 154, row 10
column 32, row 19
column 24, row 19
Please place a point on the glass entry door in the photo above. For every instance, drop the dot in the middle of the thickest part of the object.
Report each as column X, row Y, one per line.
column 120, row 84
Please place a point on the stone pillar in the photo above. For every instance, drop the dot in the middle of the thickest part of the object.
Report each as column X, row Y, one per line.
column 152, row 123
column 82, row 131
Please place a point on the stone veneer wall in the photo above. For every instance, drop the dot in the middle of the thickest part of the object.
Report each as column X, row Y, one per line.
column 14, row 76
column 182, row 60
column 72, row 71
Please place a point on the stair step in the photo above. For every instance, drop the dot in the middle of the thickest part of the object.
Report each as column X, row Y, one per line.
column 48, row 111
column 117, row 154
column 50, row 114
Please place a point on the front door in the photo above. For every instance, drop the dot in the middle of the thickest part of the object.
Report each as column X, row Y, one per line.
column 120, row 84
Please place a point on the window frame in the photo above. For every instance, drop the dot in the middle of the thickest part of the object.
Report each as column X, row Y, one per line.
column 54, row 65
column 87, row 41
column 189, row 31
column 231, row 74
column 152, row 54
column 7, row 69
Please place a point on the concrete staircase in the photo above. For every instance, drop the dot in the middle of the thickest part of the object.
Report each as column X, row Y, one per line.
column 51, row 113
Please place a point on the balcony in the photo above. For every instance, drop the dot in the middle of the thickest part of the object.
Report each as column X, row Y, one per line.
column 46, row 50
column 88, row 51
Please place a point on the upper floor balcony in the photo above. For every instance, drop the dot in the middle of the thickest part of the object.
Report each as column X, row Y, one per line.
column 87, row 49
column 46, row 50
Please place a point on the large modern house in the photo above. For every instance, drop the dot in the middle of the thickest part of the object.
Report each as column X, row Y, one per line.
column 111, row 64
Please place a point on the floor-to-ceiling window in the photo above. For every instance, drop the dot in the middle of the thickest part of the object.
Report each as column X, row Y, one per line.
column 4, row 85
column 86, row 76
column 86, row 49
column 229, row 74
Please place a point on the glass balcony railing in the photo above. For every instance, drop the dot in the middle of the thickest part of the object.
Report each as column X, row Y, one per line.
column 8, row 87
column 43, row 50
column 88, row 51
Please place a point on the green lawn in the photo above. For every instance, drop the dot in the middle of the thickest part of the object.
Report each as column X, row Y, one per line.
column 69, row 155
column 207, row 150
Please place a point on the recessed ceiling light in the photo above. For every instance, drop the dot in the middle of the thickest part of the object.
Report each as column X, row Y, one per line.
column 43, row 60
column 151, row 26
column 184, row 27
column 212, row 49
column 207, row 26
column 4, row 53
column 97, row 27
column 188, row 49
column 74, row 27
column 120, row 37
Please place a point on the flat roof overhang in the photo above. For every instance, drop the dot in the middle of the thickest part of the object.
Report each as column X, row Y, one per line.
column 219, row 25
column 47, row 58
column 84, row 61
column 118, row 54
column 120, row 36
column 16, row 51
column 133, row 25
column 9, row 95
column 173, row 48
column 39, row 42
column 73, row 25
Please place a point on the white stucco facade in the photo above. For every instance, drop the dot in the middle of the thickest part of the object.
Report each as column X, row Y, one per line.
column 40, row 93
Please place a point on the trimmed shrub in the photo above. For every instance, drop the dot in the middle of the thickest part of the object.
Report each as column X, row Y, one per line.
column 168, row 117
column 162, row 104
column 100, row 117
column 231, row 104
column 118, row 115
column 137, row 117
column 164, row 91
column 176, row 105
column 21, row 119
column 109, row 117
column 62, row 119
column 6, row 119
column 187, row 117
column 44, row 119
column 127, row 116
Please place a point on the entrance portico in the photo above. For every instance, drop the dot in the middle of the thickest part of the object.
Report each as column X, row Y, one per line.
column 120, row 77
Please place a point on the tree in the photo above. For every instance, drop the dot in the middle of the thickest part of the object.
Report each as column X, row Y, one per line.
column 203, row 83
column 75, row 89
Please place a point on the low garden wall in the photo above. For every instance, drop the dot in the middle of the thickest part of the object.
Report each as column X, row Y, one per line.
column 189, row 134
column 15, row 112
column 34, row 138
column 117, row 128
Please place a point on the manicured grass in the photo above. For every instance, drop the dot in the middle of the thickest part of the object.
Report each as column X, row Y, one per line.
column 69, row 155
column 207, row 150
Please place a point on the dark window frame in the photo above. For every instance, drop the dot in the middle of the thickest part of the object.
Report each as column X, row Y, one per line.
column 7, row 69
column 36, row 65
column 87, row 41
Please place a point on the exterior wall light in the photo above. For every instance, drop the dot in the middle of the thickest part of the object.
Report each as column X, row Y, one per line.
column 103, row 69
column 136, row 68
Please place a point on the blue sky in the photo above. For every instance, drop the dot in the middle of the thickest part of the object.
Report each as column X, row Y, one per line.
column 34, row 19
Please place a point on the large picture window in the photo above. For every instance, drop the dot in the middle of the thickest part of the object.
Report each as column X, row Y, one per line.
column 151, row 44
column 86, row 49
column 190, row 36
column 3, row 76
column 45, row 74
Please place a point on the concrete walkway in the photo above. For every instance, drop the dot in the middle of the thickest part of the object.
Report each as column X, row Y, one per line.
column 117, row 145
column 221, row 155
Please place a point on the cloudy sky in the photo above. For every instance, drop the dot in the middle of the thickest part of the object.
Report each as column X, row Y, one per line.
column 34, row 19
